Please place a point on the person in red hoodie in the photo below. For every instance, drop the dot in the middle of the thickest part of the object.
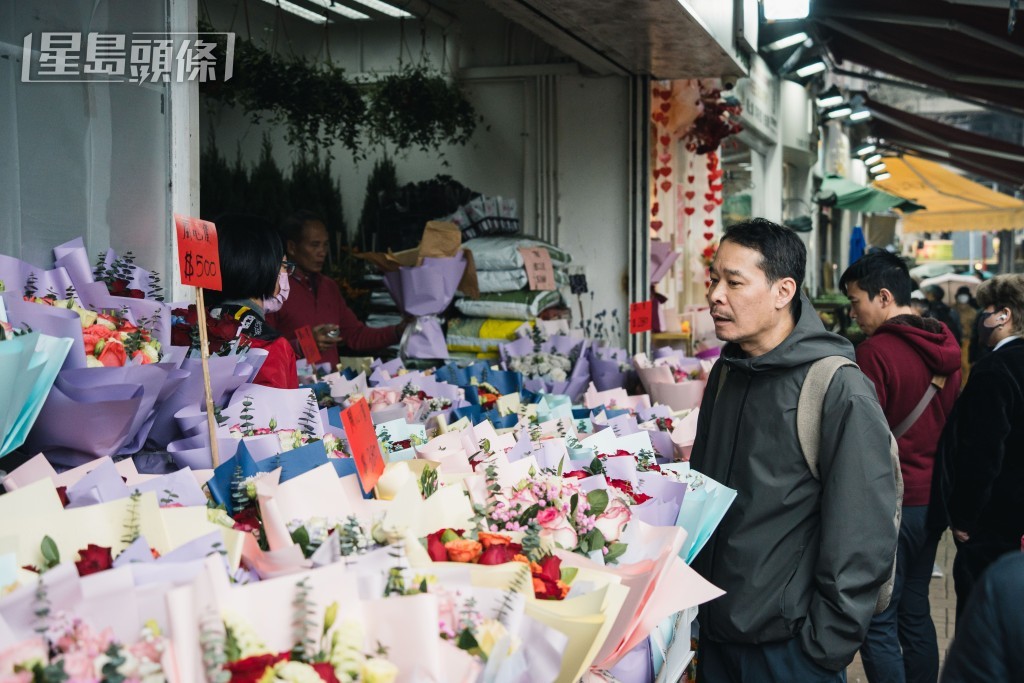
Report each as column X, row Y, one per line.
column 914, row 363
column 316, row 300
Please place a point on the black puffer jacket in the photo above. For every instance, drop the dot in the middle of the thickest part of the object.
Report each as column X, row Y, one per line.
column 797, row 557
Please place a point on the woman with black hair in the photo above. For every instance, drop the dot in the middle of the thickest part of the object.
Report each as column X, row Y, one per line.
column 252, row 267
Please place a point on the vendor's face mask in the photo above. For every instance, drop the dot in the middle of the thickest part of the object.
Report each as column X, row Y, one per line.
column 963, row 298
column 274, row 304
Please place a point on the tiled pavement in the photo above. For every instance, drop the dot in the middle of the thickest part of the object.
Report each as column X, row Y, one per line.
column 943, row 602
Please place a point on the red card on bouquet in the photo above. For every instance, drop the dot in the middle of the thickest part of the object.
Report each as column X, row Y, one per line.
column 308, row 344
column 198, row 258
column 362, row 439
column 640, row 315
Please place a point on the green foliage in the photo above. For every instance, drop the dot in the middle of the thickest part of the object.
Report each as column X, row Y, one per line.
column 383, row 183
column 132, row 524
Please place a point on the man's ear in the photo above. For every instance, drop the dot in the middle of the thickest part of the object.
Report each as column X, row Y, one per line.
column 786, row 291
column 885, row 297
column 290, row 247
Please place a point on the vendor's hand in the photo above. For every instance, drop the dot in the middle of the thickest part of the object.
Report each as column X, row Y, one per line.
column 961, row 536
column 327, row 336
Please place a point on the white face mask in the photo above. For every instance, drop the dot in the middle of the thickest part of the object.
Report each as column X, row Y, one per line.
column 274, row 303
column 963, row 298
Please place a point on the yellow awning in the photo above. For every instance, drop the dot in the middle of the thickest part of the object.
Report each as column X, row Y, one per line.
column 951, row 201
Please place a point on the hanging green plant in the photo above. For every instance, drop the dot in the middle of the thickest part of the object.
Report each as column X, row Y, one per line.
column 415, row 108
column 316, row 103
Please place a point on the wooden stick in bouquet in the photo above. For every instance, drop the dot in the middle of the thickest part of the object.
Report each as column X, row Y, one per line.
column 199, row 266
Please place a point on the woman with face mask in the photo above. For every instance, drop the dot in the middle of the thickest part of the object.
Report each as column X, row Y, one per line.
column 967, row 308
column 986, row 506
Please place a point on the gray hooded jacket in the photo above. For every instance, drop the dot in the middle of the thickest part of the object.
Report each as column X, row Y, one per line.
column 797, row 557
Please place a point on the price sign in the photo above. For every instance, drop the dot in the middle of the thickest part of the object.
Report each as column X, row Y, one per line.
column 198, row 259
column 539, row 272
column 578, row 284
column 640, row 315
column 308, row 344
column 362, row 439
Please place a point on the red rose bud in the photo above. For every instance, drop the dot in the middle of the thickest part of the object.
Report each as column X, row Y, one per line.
column 251, row 669
column 435, row 547
column 93, row 559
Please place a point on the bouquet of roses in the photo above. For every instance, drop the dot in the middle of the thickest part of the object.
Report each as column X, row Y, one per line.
column 556, row 364
column 672, row 378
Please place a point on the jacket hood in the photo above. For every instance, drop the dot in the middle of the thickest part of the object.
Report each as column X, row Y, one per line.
column 808, row 342
column 932, row 341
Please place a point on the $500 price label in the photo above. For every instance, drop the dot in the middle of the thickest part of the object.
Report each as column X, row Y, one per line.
column 198, row 258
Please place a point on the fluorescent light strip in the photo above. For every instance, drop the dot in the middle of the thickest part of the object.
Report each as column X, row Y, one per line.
column 872, row 160
column 839, row 113
column 860, row 115
column 811, row 69
column 883, row 176
column 788, row 41
column 781, row 10
column 384, row 8
column 877, row 169
column 866, row 149
column 306, row 14
column 830, row 101
column 340, row 9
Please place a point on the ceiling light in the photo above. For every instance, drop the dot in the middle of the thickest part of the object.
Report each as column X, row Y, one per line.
column 384, row 8
column 839, row 113
column 866, row 149
column 873, row 159
column 340, row 9
column 788, row 41
column 780, row 10
column 815, row 67
column 830, row 97
column 883, row 176
column 860, row 115
column 298, row 11
column 877, row 169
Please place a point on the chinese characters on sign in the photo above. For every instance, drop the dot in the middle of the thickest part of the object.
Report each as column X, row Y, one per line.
column 131, row 58
column 539, row 272
column 198, row 258
column 362, row 439
column 307, row 344
column 640, row 317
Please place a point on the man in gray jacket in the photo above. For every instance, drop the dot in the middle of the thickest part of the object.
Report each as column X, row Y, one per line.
column 801, row 559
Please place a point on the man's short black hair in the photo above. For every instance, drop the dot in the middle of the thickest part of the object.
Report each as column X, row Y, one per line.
column 291, row 229
column 783, row 254
column 877, row 271
column 250, row 257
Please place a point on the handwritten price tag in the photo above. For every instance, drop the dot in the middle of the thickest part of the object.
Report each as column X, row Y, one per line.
column 640, row 315
column 308, row 344
column 539, row 272
column 362, row 439
column 198, row 258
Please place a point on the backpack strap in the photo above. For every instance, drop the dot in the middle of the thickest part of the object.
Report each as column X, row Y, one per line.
column 937, row 382
column 810, row 404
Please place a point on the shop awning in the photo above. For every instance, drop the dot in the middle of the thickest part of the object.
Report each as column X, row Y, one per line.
column 847, row 195
column 952, row 202
column 976, row 154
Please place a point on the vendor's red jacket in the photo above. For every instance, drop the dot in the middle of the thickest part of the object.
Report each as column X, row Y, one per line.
column 901, row 358
column 316, row 300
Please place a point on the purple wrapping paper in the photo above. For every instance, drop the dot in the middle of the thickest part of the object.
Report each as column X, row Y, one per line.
column 72, row 257
column 194, row 451
column 14, row 273
column 180, row 486
column 425, row 291
column 156, row 314
column 579, row 376
column 56, row 322
column 285, row 406
column 662, row 258
column 101, row 485
column 635, row 666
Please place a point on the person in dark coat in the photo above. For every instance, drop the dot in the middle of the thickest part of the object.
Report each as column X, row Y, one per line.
column 986, row 505
column 941, row 312
column 988, row 641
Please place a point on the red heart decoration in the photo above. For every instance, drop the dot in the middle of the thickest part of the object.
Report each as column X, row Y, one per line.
column 719, row 200
column 709, row 207
column 665, row 106
column 710, row 196
column 666, row 171
column 664, row 140
column 666, row 185
column 655, row 92
column 709, row 222
column 708, row 236
column 689, row 178
column 690, row 194
column 665, row 94
column 664, row 158
column 716, row 188
column 656, row 225
column 712, row 166
column 654, row 209
column 658, row 117
column 689, row 210
column 715, row 175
